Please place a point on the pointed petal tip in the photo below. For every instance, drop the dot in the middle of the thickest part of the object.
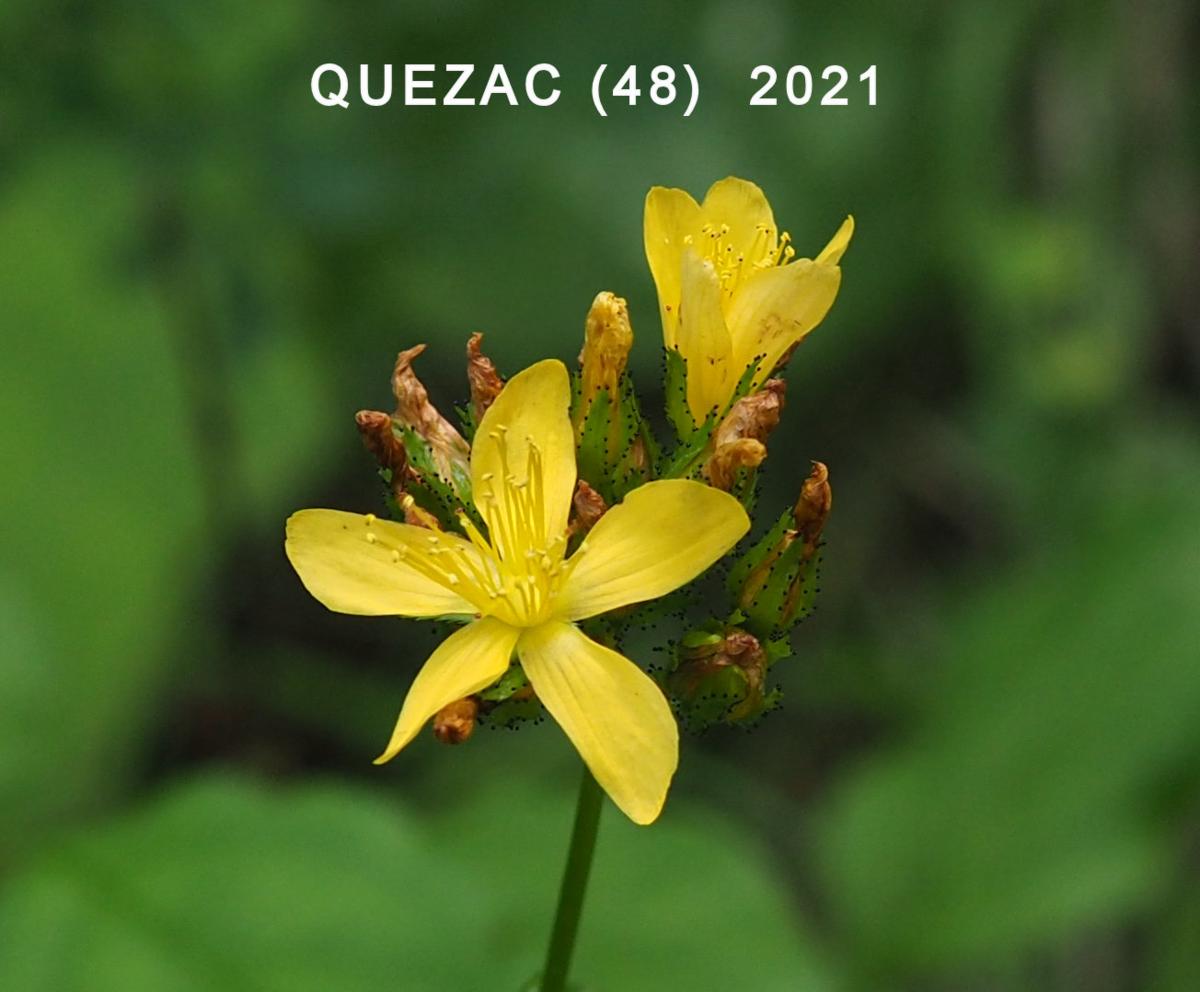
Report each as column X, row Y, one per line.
column 395, row 745
column 832, row 252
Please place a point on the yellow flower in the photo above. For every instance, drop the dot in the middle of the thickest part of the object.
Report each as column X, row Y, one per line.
column 524, row 593
column 730, row 292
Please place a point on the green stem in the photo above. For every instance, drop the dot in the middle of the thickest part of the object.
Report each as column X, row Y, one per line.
column 574, row 885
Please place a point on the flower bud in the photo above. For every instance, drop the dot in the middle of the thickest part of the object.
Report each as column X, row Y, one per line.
column 482, row 375
column 455, row 722
column 612, row 453
column 775, row 581
column 720, row 677
column 607, row 340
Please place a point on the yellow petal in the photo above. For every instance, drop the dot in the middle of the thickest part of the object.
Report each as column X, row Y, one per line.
column 468, row 660
column 833, row 252
column 339, row 563
column 742, row 206
column 661, row 536
column 671, row 215
column 776, row 308
column 703, row 340
column 613, row 713
column 534, row 405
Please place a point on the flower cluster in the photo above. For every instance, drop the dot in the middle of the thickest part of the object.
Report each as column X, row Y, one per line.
column 549, row 520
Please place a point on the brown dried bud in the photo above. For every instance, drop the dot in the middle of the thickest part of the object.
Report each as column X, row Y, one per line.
column 589, row 507
column 740, row 440
column 812, row 508
column 485, row 380
column 753, row 416
column 414, row 411
column 455, row 723
column 607, row 340
column 379, row 438
column 722, row 467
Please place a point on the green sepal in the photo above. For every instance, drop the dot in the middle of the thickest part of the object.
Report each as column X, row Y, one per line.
column 466, row 422
column 461, row 481
column 421, row 460
column 431, row 491
column 703, row 638
column 757, row 554
column 510, row 701
column 648, row 438
column 608, row 434
column 514, row 711
column 784, row 582
column 714, row 699
column 686, row 460
column 628, row 475
column 745, row 488
column 804, row 597
column 592, row 452
column 777, row 649
column 511, row 681
column 675, row 394
column 422, row 495
column 787, row 596
column 743, row 384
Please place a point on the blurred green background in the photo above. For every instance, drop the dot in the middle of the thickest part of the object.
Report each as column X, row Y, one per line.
column 986, row 775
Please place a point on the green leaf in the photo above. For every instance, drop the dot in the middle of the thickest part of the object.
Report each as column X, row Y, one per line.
column 1026, row 803
column 221, row 885
column 105, row 511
